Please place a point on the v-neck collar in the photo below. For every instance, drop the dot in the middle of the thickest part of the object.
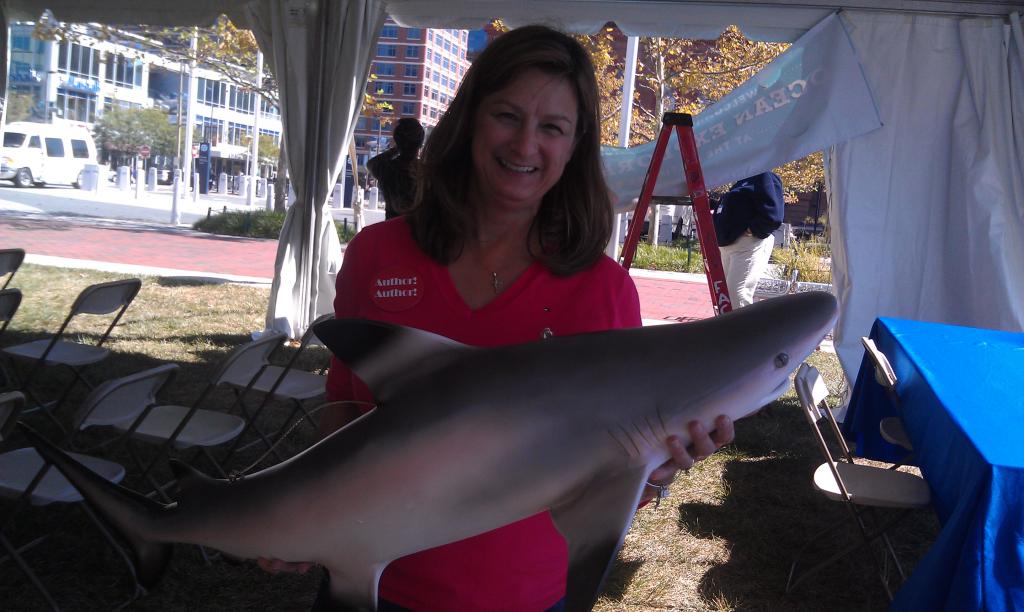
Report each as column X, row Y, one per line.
column 447, row 287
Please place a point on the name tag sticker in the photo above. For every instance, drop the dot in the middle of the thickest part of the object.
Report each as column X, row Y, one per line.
column 396, row 289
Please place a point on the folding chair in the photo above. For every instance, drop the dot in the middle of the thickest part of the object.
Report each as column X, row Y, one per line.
column 891, row 428
column 239, row 371
column 10, row 261
column 111, row 298
column 862, row 488
column 129, row 405
column 10, row 299
column 282, row 382
column 29, row 480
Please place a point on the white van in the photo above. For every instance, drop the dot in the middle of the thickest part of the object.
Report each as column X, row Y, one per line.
column 40, row 153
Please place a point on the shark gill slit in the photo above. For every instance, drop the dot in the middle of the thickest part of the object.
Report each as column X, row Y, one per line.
column 625, row 450
column 636, row 449
column 654, row 428
column 647, row 441
column 661, row 419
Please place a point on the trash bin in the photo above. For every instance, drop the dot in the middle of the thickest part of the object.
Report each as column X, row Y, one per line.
column 90, row 178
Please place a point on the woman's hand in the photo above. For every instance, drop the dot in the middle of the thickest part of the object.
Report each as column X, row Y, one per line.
column 274, row 566
column 701, row 447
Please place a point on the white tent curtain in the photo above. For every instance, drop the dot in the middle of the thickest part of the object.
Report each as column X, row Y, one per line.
column 321, row 55
column 928, row 212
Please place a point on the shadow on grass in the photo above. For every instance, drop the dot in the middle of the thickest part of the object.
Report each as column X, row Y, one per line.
column 771, row 509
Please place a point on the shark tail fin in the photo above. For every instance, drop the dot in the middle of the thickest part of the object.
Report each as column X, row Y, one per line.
column 129, row 513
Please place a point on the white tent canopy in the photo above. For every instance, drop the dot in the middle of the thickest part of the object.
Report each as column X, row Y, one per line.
column 927, row 212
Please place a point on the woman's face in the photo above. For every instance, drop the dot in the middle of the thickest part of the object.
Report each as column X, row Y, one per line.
column 523, row 136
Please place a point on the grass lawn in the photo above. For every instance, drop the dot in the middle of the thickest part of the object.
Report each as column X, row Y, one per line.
column 723, row 540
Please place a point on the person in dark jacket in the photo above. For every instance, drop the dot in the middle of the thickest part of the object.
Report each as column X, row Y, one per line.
column 745, row 218
column 395, row 169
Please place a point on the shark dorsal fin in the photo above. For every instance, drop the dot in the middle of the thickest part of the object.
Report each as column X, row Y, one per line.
column 384, row 355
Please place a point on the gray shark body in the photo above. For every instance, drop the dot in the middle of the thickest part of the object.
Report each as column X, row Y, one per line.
column 465, row 440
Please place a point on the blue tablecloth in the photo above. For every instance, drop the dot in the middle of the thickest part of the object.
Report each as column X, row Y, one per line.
column 962, row 391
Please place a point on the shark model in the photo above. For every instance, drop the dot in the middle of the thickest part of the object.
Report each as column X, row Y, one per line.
column 471, row 439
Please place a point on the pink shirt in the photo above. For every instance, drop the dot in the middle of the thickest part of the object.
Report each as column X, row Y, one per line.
column 386, row 277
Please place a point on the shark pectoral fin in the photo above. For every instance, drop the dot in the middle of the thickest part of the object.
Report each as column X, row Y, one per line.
column 594, row 525
column 382, row 354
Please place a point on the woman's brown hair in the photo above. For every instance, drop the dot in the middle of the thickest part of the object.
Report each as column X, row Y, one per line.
column 575, row 216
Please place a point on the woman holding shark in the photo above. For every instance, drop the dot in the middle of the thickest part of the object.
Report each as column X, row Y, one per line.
column 504, row 245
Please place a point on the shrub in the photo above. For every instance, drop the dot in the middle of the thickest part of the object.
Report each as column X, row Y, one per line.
column 255, row 224
column 810, row 257
column 674, row 258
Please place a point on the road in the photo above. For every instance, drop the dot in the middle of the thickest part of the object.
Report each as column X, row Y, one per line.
column 111, row 203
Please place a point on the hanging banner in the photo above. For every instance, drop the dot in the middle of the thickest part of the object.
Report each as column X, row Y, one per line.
column 812, row 96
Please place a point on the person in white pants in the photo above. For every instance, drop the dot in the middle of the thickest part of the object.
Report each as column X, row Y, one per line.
column 745, row 218
column 744, row 262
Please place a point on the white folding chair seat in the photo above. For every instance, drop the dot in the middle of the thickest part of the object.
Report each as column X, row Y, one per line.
column 204, row 427
column 869, row 486
column 129, row 405
column 20, row 466
column 62, row 353
column 28, row 480
column 295, row 384
column 862, row 487
column 112, row 298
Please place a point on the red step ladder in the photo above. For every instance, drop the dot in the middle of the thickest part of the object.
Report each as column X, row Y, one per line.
column 683, row 125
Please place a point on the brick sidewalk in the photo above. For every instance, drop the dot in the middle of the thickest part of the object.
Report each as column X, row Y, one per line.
column 157, row 246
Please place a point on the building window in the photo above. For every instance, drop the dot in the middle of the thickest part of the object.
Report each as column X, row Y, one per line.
column 389, row 31
column 412, row 70
column 210, row 129
column 239, row 133
column 408, row 89
column 384, row 69
column 74, row 59
column 267, row 109
column 387, row 50
column 76, row 106
column 411, row 51
column 448, row 46
column 241, row 100
column 211, row 92
column 386, row 88
column 413, row 33
column 275, row 136
column 123, row 71
column 408, row 109
column 21, row 43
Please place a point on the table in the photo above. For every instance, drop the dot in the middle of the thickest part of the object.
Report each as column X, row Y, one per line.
column 962, row 394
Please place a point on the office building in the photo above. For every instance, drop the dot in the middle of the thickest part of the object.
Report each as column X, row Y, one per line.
column 417, row 72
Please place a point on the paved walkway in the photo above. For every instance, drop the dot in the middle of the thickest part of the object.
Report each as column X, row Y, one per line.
column 145, row 248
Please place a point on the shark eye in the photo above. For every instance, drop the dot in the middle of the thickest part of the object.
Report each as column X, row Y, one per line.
column 781, row 360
